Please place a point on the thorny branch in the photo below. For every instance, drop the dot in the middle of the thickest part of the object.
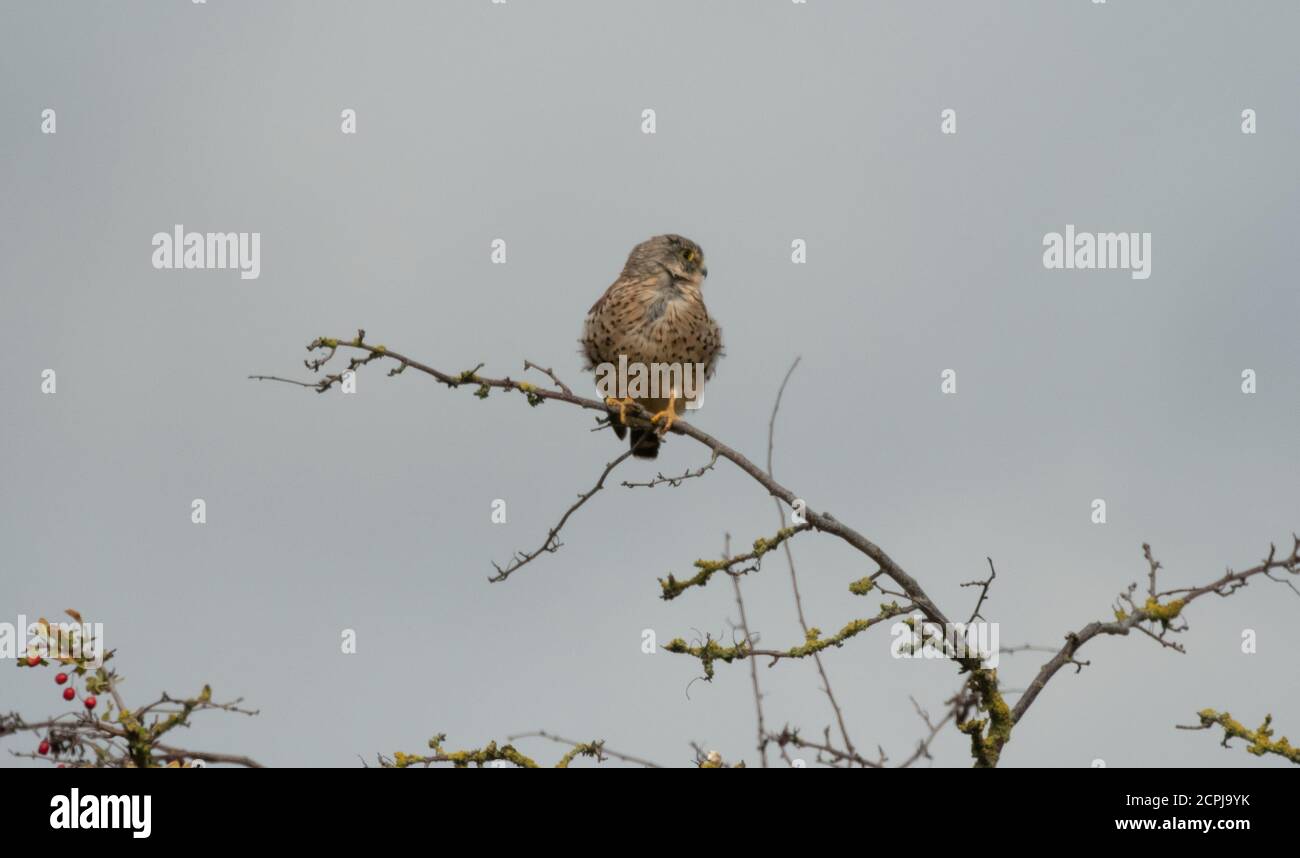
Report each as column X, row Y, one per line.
column 710, row 651
column 984, row 585
column 660, row 479
column 672, row 588
column 605, row 751
column 1155, row 612
column 827, row 753
column 1261, row 739
column 489, row 754
column 988, row 735
column 552, row 543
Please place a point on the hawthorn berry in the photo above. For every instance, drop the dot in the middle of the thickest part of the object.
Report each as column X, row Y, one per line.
column 61, row 678
column 43, row 748
column 90, row 702
column 69, row 693
column 33, row 661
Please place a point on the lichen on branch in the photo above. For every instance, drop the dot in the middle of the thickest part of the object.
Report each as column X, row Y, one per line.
column 1261, row 738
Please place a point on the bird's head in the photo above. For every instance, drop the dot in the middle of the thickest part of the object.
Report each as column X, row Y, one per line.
column 681, row 258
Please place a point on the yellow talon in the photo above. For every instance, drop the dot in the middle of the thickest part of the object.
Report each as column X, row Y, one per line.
column 622, row 405
column 669, row 414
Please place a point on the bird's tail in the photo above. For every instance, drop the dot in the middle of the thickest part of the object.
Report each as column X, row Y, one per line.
column 644, row 443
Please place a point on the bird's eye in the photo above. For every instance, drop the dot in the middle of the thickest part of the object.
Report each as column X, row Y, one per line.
column 688, row 255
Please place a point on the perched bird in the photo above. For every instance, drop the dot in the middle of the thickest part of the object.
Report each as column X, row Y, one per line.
column 654, row 314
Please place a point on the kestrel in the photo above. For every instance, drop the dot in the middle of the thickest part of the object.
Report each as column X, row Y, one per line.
column 654, row 314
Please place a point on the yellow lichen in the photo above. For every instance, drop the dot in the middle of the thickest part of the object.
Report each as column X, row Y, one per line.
column 862, row 586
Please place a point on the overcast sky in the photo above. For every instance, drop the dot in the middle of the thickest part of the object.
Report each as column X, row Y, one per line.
column 775, row 121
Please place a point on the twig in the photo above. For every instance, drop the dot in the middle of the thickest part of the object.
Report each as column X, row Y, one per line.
column 787, row 736
column 552, row 543
column 753, row 665
column 551, row 737
column 549, row 372
column 959, row 706
column 660, row 479
column 672, row 587
column 984, row 591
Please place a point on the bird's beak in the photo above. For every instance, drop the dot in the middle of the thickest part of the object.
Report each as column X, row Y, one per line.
column 705, row 271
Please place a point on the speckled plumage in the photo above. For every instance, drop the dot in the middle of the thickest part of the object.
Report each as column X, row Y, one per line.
column 654, row 313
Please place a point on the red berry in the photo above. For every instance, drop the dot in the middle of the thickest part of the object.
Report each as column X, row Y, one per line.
column 61, row 678
column 90, row 702
column 69, row 693
column 33, row 660
column 43, row 748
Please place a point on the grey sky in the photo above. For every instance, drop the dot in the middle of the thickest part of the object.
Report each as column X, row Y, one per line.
column 776, row 121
